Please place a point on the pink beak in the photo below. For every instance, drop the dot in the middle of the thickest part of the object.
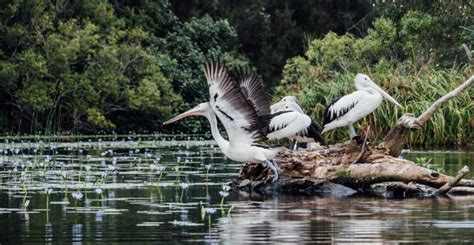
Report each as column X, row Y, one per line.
column 193, row 112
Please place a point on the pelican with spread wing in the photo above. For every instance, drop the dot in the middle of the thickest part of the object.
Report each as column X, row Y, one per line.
column 346, row 110
column 243, row 108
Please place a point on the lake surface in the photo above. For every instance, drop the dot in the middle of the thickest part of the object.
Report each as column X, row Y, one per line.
column 152, row 190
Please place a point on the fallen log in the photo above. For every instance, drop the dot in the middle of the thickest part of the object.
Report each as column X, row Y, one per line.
column 306, row 170
column 349, row 168
column 399, row 190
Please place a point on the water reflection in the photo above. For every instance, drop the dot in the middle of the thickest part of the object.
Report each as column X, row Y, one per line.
column 77, row 233
column 137, row 191
column 355, row 220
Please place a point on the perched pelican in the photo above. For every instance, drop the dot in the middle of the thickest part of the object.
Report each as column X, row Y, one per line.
column 291, row 122
column 244, row 109
column 348, row 109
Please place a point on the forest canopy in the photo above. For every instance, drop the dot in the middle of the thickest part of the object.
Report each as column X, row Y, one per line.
column 85, row 66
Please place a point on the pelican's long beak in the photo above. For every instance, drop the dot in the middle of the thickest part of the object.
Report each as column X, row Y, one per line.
column 196, row 111
column 277, row 106
column 384, row 94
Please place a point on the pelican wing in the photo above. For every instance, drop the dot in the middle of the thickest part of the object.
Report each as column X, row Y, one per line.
column 252, row 90
column 237, row 109
column 286, row 124
column 341, row 106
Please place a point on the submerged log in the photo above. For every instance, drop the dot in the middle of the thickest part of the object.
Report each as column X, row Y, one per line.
column 348, row 168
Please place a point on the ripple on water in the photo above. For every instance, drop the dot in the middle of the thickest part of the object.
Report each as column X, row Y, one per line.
column 449, row 224
column 135, row 202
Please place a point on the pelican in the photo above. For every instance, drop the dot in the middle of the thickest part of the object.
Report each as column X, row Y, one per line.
column 244, row 110
column 291, row 122
column 346, row 110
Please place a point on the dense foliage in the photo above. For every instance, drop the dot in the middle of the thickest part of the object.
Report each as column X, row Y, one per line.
column 126, row 65
column 87, row 65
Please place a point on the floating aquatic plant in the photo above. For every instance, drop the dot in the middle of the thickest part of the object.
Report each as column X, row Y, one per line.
column 183, row 185
column 209, row 211
column 26, row 204
column 23, row 180
column 208, row 167
column 230, row 210
column 77, row 195
column 224, row 193
column 99, row 191
column 111, row 168
column 161, row 171
column 48, row 192
column 177, row 169
column 64, row 175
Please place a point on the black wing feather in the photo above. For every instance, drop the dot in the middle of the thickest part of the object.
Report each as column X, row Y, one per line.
column 245, row 94
column 256, row 98
column 314, row 133
column 329, row 117
column 252, row 89
column 273, row 129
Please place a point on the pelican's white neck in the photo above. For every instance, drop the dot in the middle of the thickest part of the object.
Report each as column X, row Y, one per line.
column 221, row 142
column 369, row 90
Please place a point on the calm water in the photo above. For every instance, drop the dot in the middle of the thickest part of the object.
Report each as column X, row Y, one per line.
column 151, row 191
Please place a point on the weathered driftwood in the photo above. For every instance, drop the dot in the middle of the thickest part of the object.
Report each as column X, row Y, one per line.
column 453, row 181
column 348, row 168
column 307, row 170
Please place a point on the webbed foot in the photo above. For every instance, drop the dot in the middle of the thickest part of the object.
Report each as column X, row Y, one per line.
column 273, row 165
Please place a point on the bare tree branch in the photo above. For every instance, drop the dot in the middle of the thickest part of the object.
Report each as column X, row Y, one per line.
column 421, row 120
column 452, row 182
column 468, row 53
column 396, row 137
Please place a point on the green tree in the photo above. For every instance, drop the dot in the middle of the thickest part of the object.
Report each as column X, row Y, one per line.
column 72, row 66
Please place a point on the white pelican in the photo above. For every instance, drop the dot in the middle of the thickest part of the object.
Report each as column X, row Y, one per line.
column 244, row 110
column 291, row 122
column 346, row 110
